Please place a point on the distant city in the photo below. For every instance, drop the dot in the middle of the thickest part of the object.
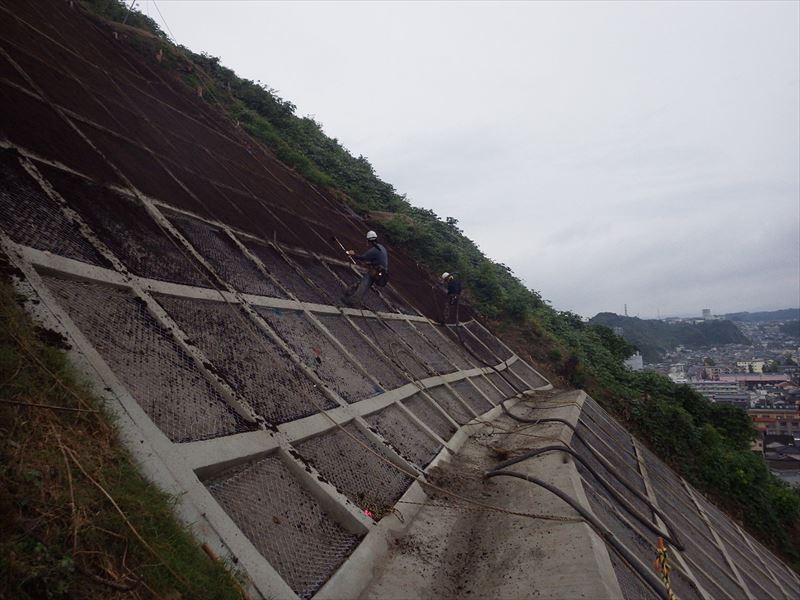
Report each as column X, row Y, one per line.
column 762, row 377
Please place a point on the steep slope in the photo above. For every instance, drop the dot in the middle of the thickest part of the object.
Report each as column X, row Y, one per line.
column 197, row 279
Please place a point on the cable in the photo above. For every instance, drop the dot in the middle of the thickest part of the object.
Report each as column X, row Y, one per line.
column 607, row 486
column 609, row 467
column 653, row 581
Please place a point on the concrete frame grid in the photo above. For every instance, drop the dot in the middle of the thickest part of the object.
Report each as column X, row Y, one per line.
column 176, row 467
column 179, row 468
column 684, row 561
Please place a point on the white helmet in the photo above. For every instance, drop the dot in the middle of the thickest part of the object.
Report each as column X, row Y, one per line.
column 371, row 235
column 445, row 275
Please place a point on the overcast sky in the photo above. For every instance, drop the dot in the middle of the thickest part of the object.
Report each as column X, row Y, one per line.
column 642, row 153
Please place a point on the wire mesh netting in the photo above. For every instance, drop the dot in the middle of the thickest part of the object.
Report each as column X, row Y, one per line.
column 450, row 404
column 160, row 376
column 430, row 415
column 254, row 366
column 320, row 354
column 757, row 580
column 618, row 442
column 399, row 430
column 425, row 353
column 29, row 217
column 317, row 272
column 701, row 548
column 456, row 347
column 611, row 476
column 528, row 375
column 445, row 344
column 471, row 395
column 609, row 450
column 490, row 341
column 123, row 225
column 633, row 587
column 356, row 472
column 487, row 388
column 479, row 353
column 372, row 360
column 733, row 541
column 284, row 522
column 224, row 256
column 501, row 381
column 287, row 274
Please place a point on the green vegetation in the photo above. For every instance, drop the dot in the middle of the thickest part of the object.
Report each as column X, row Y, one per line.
column 707, row 443
column 653, row 338
column 62, row 535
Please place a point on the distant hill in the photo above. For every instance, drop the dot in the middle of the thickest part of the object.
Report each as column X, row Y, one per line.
column 786, row 314
column 653, row 338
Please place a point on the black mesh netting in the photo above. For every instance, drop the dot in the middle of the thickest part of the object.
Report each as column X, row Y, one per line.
column 450, row 404
column 487, row 388
column 425, row 359
column 320, row 354
column 373, row 360
column 496, row 346
column 284, row 522
column 255, row 367
column 287, row 274
column 400, row 431
column 355, row 471
column 29, row 217
column 528, row 375
column 225, row 257
column 157, row 372
column 453, row 351
column 501, row 381
column 123, row 225
column 430, row 415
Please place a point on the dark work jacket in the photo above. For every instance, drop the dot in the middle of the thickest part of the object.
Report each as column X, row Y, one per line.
column 454, row 287
column 375, row 256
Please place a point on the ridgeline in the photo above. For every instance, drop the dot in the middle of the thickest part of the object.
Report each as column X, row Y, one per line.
column 653, row 338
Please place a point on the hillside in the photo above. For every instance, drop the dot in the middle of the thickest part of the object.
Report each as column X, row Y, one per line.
column 786, row 314
column 654, row 338
column 183, row 232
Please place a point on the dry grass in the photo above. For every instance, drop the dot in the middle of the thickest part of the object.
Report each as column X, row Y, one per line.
column 78, row 520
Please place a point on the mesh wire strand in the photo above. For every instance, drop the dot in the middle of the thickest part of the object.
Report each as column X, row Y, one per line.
column 399, row 430
column 320, row 354
column 430, row 415
column 30, row 217
column 358, row 474
column 157, row 372
column 255, row 367
column 284, row 522
column 225, row 257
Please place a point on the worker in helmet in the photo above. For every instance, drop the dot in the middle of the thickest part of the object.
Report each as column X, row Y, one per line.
column 452, row 286
column 376, row 261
